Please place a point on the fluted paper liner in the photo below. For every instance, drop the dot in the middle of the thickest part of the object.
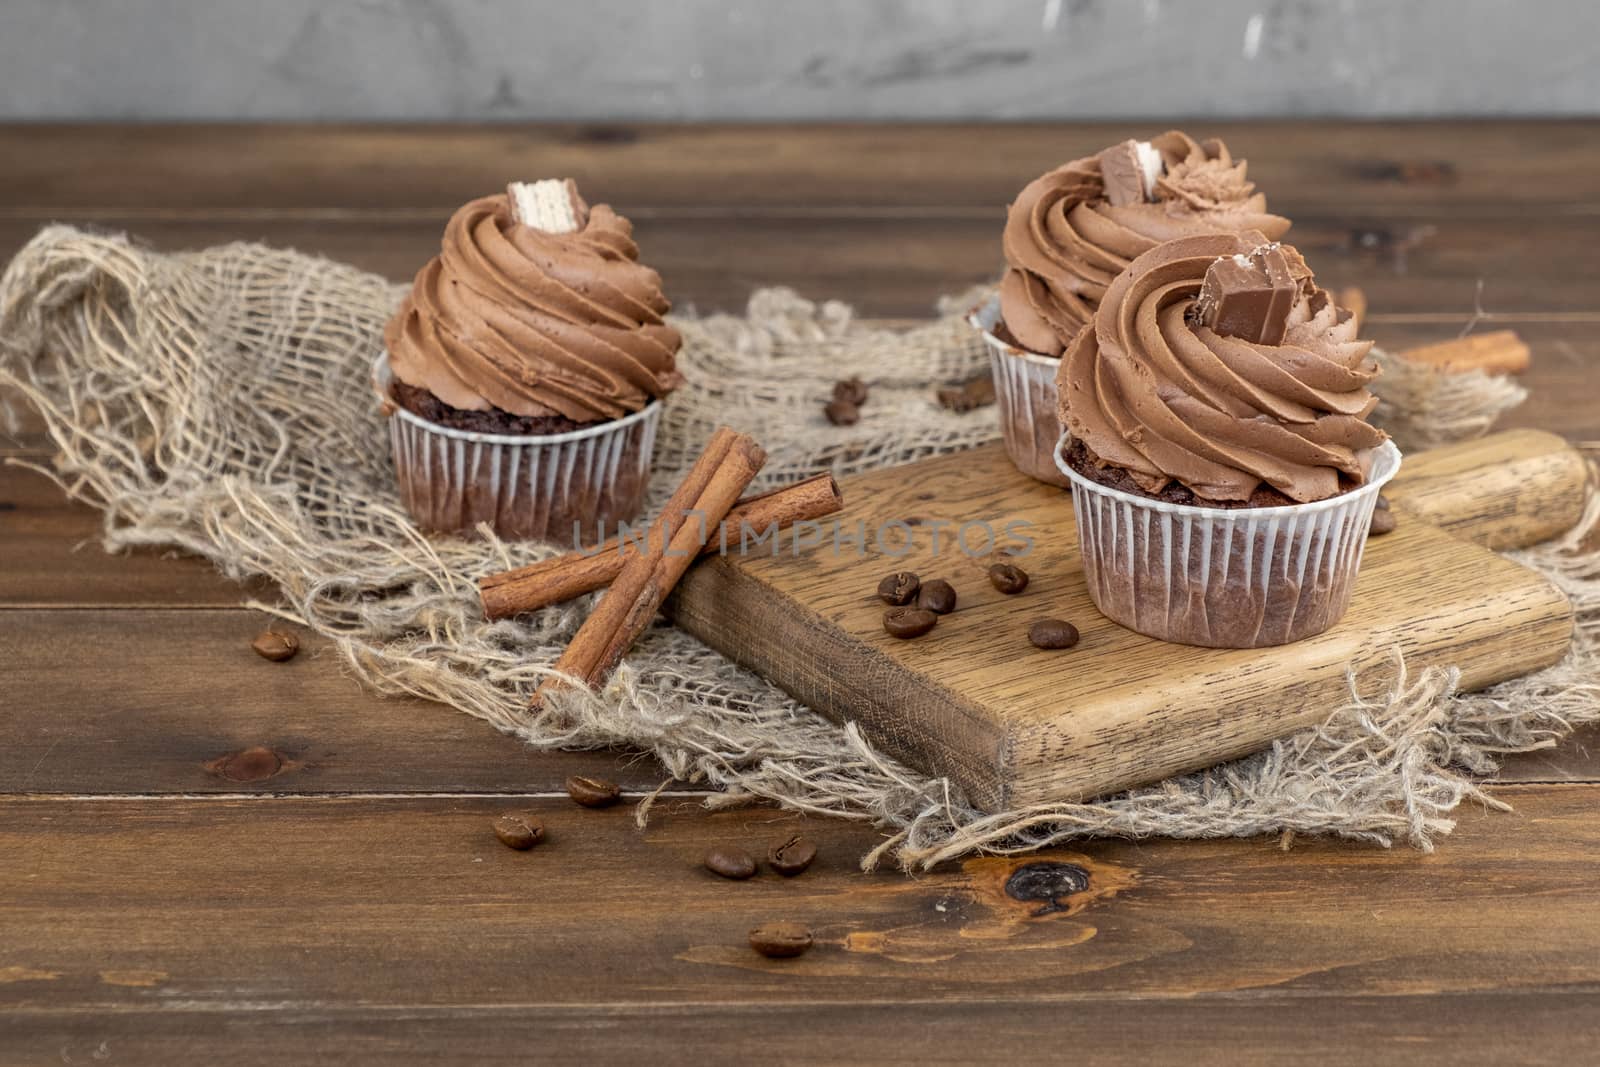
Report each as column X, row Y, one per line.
column 568, row 488
column 1025, row 399
column 1223, row 577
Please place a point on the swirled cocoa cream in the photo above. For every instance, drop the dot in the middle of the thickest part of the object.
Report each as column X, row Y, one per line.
column 1073, row 230
column 1215, row 363
column 536, row 316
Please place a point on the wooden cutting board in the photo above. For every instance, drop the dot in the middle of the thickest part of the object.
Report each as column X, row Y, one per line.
column 1016, row 726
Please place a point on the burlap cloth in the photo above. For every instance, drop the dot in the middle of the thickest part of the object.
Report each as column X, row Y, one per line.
column 217, row 402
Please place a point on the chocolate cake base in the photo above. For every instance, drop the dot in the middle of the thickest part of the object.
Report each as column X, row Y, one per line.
column 424, row 404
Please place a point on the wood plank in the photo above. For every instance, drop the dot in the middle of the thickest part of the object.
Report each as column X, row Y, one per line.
column 141, row 702
column 1444, row 1029
column 282, row 904
column 901, row 266
column 54, row 557
column 1413, row 168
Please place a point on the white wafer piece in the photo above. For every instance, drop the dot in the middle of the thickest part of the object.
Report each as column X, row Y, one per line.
column 1152, row 164
column 545, row 205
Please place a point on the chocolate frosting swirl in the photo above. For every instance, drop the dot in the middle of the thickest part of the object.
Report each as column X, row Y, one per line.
column 536, row 323
column 1064, row 241
column 1150, row 390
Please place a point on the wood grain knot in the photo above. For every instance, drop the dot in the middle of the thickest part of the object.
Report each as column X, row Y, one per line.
column 6, row 505
column 1048, row 883
column 252, row 764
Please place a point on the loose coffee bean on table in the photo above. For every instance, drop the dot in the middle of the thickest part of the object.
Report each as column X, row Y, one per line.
column 901, row 587
column 730, row 862
column 938, row 596
column 852, row 391
column 269, row 644
column 1382, row 523
column 842, row 413
column 974, row 393
column 1053, row 633
column 780, row 940
column 1008, row 578
column 908, row 622
column 593, row 792
column 518, row 830
column 792, row 855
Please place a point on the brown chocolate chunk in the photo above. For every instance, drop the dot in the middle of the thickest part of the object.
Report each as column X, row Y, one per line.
column 937, row 596
column 1382, row 522
column 1122, row 173
column 1250, row 297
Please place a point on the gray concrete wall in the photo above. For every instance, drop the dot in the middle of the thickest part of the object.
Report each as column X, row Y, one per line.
column 794, row 59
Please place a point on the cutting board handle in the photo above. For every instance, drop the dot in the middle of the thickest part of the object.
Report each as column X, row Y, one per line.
column 1506, row 490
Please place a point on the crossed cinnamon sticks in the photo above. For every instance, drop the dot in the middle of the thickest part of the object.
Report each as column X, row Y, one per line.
column 702, row 515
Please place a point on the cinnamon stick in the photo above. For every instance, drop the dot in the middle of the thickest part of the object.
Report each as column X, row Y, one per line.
column 554, row 581
column 709, row 491
column 1495, row 352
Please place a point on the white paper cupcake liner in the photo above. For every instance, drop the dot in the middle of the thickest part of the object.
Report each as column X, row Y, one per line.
column 569, row 488
column 1025, row 398
column 1221, row 577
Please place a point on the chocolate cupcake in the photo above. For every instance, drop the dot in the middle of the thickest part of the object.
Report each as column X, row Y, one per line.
column 1217, row 441
column 1069, row 234
column 525, row 370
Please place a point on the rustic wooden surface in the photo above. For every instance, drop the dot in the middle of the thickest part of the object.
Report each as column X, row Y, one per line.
column 168, row 894
column 1016, row 726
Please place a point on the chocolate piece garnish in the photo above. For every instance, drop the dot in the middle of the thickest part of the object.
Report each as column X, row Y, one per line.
column 1250, row 296
column 1122, row 172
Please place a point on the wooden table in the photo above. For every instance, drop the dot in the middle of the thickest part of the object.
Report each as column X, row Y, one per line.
column 334, row 894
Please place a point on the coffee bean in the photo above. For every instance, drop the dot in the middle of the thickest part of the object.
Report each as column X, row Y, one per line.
column 1383, row 502
column 730, row 862
column 593, row 792
column 1382, row 523
column 1007, row 578
column 269, row 644
column 518, row 830
column 938, row 596
column 780, row 941
column 793, row 856
column 899, row 588
column 852, row 391
column 969, row 395
column 1053, row 633
column 842, row 413
column 906, row 623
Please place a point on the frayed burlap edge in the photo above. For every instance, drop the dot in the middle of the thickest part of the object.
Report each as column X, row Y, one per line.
column 217, row 402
